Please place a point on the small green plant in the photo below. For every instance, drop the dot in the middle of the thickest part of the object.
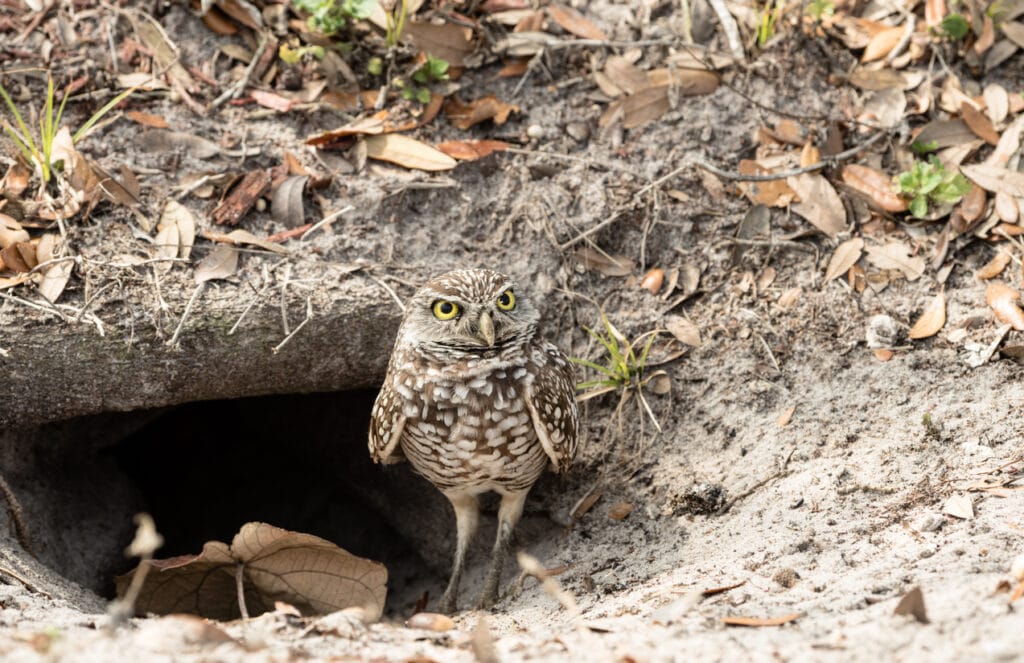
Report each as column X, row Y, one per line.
column 49, row 124
column 395, row 12
column 769, row 16
column 330, row 16
column 291, row 55
column 924, row 148
column 932, row 430
column 954, row 27
column 817, row 9
column 624, row 368
column 434, row 70
column 929, row 182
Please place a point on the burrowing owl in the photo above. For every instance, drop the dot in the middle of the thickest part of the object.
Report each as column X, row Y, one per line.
column 477, row 402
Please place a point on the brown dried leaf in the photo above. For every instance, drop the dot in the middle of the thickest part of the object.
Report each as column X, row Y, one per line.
column 407, row 152
column 55, row 276
column 11, row 232
column 313, row 574
column 287, row 205
column 759, row 621
column 786, row 416
column 470, row 150
column 684, row 330
column 575, row 23
column 773, row 193
column 430, row 621
column 973, row 204
column 819, row 203
column 997, row 102
column 604, row 263
column 875, row 185
column 934, row 12
column 221, row 263
column 620, row 511
column 994, row 267
column 1007, row 208
column 653, row 279
column 465, row 114
column 896, row 255
column 846, row 256
column 623, row 75
column 932, row 318
column 447, row 41
column 996, row 179
column 145, row 119
column 912, row 604
column 272, row 101
column 959, row 506
column 979, row 123
column 882, row 43
column 1004, row 301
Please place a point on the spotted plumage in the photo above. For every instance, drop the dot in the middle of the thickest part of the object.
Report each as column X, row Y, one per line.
column 476, row 402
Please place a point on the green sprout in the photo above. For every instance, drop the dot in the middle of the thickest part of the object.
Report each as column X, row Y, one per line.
column 928, row 182
column 395, row 12
column 291, row 55
column 924, row 148
column 434, row 70
column 623, row 368
column 330, row 16
column 49, row 125
column 954, row 26
column 817, row 9
column 769, row 15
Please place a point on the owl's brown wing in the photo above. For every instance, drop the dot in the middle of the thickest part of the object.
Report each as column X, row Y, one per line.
column 386, row 425
column 551, row 400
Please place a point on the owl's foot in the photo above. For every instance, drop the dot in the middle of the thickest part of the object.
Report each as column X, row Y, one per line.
column 487, row 599
column 447, row 605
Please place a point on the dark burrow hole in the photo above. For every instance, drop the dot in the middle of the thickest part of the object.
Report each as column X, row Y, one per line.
column 298, row 462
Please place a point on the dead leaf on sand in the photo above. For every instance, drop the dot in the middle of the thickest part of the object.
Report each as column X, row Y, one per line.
column 846, row 256
column 407, row 152
column 759, row 621
column 600, row 261
column 912, row 604
column 896, row 255
column 932, row 318
column 1005, row 301
column 272, row 564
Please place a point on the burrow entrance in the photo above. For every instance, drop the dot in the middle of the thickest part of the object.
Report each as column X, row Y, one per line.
column 204, row 469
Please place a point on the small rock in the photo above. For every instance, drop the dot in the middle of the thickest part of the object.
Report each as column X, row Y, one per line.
column 578, row 131
column 929, row 522
column 535, row 131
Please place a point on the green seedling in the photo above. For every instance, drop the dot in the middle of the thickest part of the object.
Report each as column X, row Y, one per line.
column 395, row 12
column 49, row 124
column 929, row 183
column 330, row 16
column 623, row 369
column 291, row 55
column 769, row 16
column 434, row 70
column 818, row 9
column 954, row 27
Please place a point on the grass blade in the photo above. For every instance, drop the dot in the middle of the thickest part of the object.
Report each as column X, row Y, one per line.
column 26, row 135
column 98, row 115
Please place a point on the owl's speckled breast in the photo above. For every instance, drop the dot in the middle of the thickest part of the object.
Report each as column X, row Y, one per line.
column 470, row 428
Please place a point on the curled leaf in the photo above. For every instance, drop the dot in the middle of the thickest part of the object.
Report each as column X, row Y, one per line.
column 932, row 318
column 1004, row 300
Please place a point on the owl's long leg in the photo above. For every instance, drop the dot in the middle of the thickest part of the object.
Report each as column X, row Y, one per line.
column 508, row 515
column 467, row 515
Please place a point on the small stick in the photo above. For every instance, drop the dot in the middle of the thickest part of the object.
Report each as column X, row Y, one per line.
column 389, row 290
column 239, row 577
column 327, row 220
column 731, row 30
column 184, row 316
column 235, row 91
column 309, row 316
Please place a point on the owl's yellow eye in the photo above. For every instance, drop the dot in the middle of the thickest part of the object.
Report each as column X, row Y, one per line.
column 507, row 301
column 445, row 310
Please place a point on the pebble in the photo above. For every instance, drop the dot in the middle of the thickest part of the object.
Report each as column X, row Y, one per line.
column 535, row 131
column 578, row 131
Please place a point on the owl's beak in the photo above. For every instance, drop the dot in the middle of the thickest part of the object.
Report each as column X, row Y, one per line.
column 486, row 329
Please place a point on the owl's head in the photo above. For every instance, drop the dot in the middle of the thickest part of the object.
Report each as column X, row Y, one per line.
column 468, row 310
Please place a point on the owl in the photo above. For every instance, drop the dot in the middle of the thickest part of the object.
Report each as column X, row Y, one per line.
column 477, row 402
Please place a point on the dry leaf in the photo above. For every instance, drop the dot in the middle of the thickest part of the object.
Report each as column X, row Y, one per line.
column 620, row 511
column 178, row 215
column 271, row 100
column 819, row 203
column 876, row 185
column 430, row 621
column 774, row 193
column 896, row 255
column 55, row 276
column 469, row 150
column 912, row 604
column 1007, row 208
column 145, row 119
column 313, row 574
column 1004, row 301
column 959, row 506
column 604, row 263
column 846, row 256
column 11, row 232
column 684, row 330
column 407, row 152
column 994, row 267
column 575, row 23
column 287, row 206
column 979, row 123
column 221, row 263
column 465, row 114
column 973, row 204
column 932, row 318
column 790, row 297
column 996, row 179
column 447, row 41
column 758, row 621
column 882, row 43
column 997, row 101
column 786, row 416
